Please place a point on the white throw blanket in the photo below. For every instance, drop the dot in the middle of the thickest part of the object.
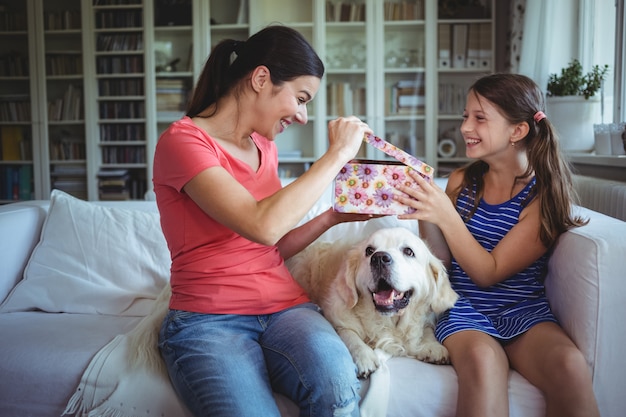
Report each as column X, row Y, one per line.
column 127, row 378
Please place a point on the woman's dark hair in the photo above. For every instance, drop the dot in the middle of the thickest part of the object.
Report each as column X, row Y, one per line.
column 518, row 98
column 284, row 51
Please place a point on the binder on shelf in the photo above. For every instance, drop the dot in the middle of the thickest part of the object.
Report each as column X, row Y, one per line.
column 473, row 46
column 459, row 45
column 485, row 46
column 444, row 45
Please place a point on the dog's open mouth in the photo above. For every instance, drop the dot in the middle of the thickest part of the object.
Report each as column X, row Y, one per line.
column 388, row 300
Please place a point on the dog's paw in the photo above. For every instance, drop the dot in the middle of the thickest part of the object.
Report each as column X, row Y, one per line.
column 434, row 352
column 366, row 361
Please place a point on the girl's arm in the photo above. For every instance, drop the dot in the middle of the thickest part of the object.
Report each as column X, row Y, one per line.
column 223, row 198
column 433, row 236
column 516, row 251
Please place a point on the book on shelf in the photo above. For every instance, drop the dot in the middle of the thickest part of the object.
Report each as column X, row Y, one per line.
column 62, row 20
column 14, row 64
column 75, row 186
column 17, row 182
column 68, row 171
column 11, row 138
column 171, row 94
column 25, row 191
column 344, row 100
column 113, row 184
column 68, row 107
column 359, row 103
column 113, row 173
column 345, row 11
column 67, row 148
column 340, row 99
column 404, row 10
column 15, row 108
column 12, row 21
column 451, row 98
column 64, row 63
column 408, row 96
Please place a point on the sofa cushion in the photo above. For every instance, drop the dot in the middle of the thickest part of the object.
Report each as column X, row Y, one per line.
column 46, row 356
column 93, row 259
column 23, row 224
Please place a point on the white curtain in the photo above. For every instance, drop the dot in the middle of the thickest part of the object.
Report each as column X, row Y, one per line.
column 550, row 38
column 555, row 32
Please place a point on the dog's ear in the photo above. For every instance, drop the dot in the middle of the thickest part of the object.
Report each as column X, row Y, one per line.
column 346, row 277
column 444, row 296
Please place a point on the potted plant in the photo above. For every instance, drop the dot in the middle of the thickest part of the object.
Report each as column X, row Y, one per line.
column 573, row 105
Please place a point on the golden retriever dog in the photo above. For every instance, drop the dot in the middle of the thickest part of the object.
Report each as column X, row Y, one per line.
column 383, row 292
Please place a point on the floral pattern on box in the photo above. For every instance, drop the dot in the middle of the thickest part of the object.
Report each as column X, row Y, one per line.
column 368, row 186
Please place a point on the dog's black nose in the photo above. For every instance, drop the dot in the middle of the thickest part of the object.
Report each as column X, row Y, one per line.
column 381, row 259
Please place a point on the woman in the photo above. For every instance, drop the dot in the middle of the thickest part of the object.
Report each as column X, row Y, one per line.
column 239, row 326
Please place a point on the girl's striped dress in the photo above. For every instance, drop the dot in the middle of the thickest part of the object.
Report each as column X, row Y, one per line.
column 511, row 307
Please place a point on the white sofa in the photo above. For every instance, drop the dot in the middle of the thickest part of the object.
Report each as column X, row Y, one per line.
column 58, row 312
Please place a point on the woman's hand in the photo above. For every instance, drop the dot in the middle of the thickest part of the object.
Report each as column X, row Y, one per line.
column 345, row 135
column 351, row 217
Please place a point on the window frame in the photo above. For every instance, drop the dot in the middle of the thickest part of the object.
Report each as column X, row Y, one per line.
column 619, row 102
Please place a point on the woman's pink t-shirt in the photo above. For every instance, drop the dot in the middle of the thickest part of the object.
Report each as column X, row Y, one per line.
column 215, row 270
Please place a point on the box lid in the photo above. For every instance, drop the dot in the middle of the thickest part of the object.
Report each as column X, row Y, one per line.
column 424, row 169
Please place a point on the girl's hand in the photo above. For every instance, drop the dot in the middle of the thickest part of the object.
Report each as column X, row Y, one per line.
column 430, row 202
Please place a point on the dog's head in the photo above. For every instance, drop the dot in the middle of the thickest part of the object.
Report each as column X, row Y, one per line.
column 394, row 268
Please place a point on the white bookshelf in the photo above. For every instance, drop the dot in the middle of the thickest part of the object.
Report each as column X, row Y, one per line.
column 366, row 53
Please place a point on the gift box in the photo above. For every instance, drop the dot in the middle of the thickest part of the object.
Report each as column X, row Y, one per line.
column 368, row 186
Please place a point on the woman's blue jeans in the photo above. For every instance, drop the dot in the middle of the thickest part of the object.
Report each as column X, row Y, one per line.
column 228, row 365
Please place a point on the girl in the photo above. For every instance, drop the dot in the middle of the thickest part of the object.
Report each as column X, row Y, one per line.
column 494, row 226
column 239, row 327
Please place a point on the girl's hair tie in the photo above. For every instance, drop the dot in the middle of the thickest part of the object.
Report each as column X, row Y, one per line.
column 539, row 116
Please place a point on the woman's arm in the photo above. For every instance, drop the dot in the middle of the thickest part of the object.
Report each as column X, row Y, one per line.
column 299, row 238
column 519, row 248
column 219, row 195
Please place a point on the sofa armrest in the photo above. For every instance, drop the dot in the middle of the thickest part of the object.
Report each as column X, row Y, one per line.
column 587, row 289
column 20, row 228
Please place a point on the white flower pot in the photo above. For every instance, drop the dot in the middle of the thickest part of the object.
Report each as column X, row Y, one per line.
column 573, row 117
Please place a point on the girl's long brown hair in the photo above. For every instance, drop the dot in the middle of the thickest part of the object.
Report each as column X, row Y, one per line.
column 518, row 98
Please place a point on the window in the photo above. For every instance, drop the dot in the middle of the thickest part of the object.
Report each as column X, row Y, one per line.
column 620, row 62
column 602, row 35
